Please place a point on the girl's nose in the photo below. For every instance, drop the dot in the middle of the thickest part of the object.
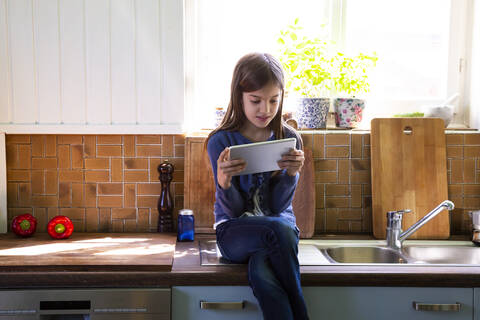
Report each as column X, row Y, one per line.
column 266, row 107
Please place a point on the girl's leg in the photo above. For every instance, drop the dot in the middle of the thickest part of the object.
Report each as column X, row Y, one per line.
column 277, row 240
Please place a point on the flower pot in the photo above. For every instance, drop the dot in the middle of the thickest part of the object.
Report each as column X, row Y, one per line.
column 312, row 113
column 348, row 112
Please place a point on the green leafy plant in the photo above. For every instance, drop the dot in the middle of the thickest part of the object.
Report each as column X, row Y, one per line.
column 315, row 69
column 409, row 115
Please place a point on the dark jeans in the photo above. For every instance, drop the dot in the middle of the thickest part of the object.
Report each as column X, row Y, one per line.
column 270, row 246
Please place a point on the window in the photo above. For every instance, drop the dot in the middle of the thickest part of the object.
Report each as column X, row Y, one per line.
column 419, row 43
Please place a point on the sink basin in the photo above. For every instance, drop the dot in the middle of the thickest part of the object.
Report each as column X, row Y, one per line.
column 366, row 254
column 444, row 254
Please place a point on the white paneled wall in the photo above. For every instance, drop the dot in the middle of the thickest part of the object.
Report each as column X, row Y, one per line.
column 91, row 66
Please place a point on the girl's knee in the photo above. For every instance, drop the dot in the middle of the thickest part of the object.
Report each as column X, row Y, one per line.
column 283, row 231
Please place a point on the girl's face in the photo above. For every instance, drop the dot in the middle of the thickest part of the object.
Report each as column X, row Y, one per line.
column 261, row 106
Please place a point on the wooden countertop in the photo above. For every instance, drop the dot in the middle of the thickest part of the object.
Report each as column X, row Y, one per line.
column 186, row 270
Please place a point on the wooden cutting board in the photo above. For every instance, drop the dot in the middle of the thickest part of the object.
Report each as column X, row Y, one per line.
column 88, row 252
column 408, row 159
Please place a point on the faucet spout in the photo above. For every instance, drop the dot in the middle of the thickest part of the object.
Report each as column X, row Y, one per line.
column 447, row 204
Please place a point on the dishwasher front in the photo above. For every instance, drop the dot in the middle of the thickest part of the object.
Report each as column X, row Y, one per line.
column 86, row 304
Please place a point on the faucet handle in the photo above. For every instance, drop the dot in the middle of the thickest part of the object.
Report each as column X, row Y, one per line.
column 396, row 216
column 399, row 212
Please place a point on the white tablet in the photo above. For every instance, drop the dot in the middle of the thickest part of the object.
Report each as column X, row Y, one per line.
column 262, row 156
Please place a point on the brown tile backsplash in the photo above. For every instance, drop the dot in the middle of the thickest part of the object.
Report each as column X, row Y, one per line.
column 109, row 183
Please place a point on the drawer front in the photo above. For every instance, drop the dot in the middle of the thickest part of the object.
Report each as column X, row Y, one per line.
column 390, row 303
column 214, row 303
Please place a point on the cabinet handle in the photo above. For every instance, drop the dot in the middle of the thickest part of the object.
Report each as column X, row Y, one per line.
column 437, row 306
column 222, row 305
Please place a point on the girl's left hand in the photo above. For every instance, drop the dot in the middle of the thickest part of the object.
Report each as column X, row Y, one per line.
column 292, row 161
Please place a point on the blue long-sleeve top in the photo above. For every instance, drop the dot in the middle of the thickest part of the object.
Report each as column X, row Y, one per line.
column 275, row 192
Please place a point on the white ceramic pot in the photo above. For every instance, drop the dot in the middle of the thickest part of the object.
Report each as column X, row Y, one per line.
column 443, row 112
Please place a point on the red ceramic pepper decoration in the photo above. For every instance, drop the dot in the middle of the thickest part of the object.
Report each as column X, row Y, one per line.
column 60, row 227
column 24, row 225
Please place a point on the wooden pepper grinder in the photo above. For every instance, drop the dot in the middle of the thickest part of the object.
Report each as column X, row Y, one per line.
column 165, row 203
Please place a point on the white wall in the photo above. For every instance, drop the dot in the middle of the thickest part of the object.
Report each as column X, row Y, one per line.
column 475, row 71
column 92, row 66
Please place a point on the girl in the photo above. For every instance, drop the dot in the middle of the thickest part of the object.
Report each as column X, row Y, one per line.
column 254, row 220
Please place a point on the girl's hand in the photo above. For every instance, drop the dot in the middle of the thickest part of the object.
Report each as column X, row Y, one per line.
column 292, row 161
column 226, row 168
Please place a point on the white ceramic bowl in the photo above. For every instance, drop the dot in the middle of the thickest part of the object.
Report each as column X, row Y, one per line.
column 443, row 112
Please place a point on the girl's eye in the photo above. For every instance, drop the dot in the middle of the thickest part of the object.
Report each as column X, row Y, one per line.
column 255, row 101
column 274, row 101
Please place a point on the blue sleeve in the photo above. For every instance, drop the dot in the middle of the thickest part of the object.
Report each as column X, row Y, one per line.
column 282, row 188
column 230, row 200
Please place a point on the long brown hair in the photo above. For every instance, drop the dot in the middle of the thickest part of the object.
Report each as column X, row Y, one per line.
column 252, row 72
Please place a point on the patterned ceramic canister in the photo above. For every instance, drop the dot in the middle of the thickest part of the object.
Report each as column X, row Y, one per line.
column 348, row 112
column 312, row 113
column 219, row 114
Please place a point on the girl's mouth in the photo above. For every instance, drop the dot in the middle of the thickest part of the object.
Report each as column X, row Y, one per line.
column 263, row 119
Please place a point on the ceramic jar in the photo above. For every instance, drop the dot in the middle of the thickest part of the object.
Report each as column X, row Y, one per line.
column 312, row 113
column 219, row 114
column 348, row 112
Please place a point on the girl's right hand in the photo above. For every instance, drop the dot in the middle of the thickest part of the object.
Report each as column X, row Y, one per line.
column 226, row 168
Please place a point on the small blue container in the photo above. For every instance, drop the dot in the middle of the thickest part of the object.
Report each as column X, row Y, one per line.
column 186, row 225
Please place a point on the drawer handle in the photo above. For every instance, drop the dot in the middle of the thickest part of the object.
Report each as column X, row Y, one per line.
column 222, row 305
column 437, row 306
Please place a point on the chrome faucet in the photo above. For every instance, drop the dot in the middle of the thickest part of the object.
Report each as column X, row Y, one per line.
column 395, row 236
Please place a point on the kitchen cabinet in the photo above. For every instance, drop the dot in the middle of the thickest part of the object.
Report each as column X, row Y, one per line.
column 93, row 304
column 330, row 303
column 476, row 302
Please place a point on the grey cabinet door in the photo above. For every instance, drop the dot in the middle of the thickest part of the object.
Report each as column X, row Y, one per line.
column 386, row 303
column 225, row 302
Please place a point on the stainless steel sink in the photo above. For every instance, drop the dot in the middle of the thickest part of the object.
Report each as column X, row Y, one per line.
column 367, row 254
column 444, row 254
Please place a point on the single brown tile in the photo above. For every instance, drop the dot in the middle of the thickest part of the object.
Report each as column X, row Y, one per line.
column 42, row 219
column 349, row 214
column 167, row 146
column 25, row 197
column 109, row 151
column 319, row 195
column 469, row 171
column 73, row 213
column 51, row 145
column 366, row 153
column 367, row 221
column 130, row 196
column 153, row 220
column 51, row 182
column 149, row 188
column 473, row 138
column 12, row 156
column 454, row 139
column 38, row 182
column 132, row 163
column 455, row 152
column 338, row 152
column 178, row 188
column 18, row 175
column 356, row 146
column 130, row 225
column 179, row 139
column 337, row 139
column 361, row 177
column 457, row 171
column 307, row 139
column 143, row 220
column 65, row 194
column 117, row 226
column 24, row 157
column 17, row 138
column 366, row 139
column 457, row 189
column 337, row 190
column 78, row 195
column 110, row 201
column 136, row 176
column 471, row 152
column 124, row 213
column 356, row 196
column 356, row 226
column 64, row 156
column 52, row 212
column 90, row 146
column 69, row 139
column 147, row 201
column 97, row 176
column 92, row 219
column 358, row 164
column 331, row 220
column 105, row 220
column 178, row 201
column 90, row 194
column 149, row 139
column 343, row 171
column 12, row 195
column 94, row 163
column 318, row 145
column 178, row 176
column 149, row 150
column 471, row 203
column 325, row 177
column 110, row 188
column 179, row 150
column 325, row 165
column 38, row 145
column 44, row 201
column 343, row 226
column 469, row 189
column 337, row 202
column 70, row 176
column 77, row 156
column 44, row 163
column 129, row 146
column 109, row 139
column 117, row 170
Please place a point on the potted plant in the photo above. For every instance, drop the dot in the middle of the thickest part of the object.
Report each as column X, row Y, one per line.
column 316, row 71
column 306, row 63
